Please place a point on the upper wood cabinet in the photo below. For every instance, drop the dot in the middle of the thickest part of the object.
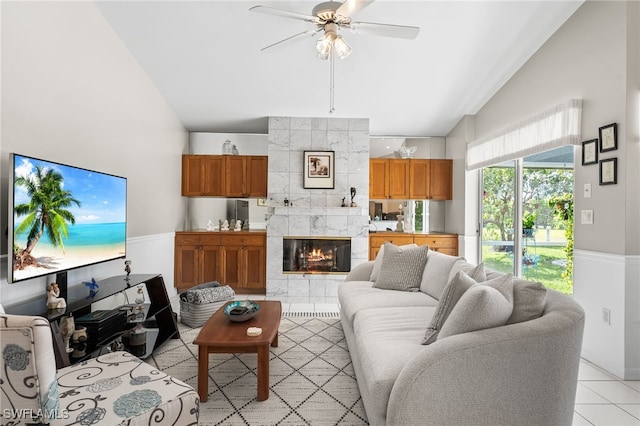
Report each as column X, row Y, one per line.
column 388, row 178
column 441, row 183
column 203, row 175
column 431, row 179
column 246, row 175
column 415, row 179
column 224, row 175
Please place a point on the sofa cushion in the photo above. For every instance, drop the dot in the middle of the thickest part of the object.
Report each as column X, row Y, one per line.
column 451, row 294
column 387, row 339
column 484, row 305
column 356, row 296
column 377, row 264
column 529, row 299
column 437, row 273
column 402, row 268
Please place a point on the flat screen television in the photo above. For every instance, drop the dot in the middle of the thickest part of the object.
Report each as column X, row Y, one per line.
column 63, row 217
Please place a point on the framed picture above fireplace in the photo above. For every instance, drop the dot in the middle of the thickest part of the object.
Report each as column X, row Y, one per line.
column 319, row 170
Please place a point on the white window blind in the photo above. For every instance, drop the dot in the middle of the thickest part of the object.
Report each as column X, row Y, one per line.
column 557, row 126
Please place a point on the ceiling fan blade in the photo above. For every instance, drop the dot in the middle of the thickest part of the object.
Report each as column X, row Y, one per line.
column 385, row 30
column 351, row 7
column 284, row 13
column 289, row 40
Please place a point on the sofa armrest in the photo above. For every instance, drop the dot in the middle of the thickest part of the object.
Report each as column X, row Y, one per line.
column 523, row 373
column 361, row 272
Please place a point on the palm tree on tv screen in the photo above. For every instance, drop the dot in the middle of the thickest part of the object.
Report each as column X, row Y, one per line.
column 45, row 212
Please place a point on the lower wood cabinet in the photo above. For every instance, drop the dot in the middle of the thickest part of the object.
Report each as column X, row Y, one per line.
column 443, row 243
column 237, row 259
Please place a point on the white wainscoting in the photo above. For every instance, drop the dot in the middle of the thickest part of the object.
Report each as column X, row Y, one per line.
column 610, row 281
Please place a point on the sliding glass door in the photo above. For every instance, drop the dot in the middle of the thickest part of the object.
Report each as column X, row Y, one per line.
column 527, row 217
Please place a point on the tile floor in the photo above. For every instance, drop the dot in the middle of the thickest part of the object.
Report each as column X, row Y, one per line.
column 601, row 399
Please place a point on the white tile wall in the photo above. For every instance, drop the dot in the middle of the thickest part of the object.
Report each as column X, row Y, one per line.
column 315, row 212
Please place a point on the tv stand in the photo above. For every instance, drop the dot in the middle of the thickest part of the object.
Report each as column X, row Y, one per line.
column 80, row 298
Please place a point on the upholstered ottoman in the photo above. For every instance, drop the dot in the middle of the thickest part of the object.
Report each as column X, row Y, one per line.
column 200, row 302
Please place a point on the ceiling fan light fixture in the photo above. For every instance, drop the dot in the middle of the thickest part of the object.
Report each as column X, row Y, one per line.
column 341, row 47
column 324, row 45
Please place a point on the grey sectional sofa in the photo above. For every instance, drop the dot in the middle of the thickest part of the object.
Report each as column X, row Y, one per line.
column 521, row 373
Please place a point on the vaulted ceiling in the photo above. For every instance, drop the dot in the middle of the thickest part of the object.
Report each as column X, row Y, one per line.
column 205, row 58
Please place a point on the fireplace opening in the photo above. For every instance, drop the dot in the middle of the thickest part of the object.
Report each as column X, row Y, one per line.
column 322, row 255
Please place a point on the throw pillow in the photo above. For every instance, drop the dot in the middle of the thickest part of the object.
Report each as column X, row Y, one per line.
column 485, row 305
column 437, row 273
column 452, row 292
column 377, row 264
column 402, row 268
column 529, row 299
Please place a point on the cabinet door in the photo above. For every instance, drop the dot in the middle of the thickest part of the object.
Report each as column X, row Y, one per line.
column 254, row 267
column 235, row 176
column 187, row 266
column 214, row 175
column 192, row 175
column 399, row 179
column 211, row 259
column 419, row 180
column 378, row 178
column 232, row 266
column 256, row 175
column 441, row 187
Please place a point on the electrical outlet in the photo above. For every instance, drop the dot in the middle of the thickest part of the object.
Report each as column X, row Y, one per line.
column 606, row 316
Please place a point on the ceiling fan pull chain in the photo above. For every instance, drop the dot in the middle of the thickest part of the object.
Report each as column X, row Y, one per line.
column 331, row 83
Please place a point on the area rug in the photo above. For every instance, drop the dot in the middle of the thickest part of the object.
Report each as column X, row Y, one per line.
column 311, row 377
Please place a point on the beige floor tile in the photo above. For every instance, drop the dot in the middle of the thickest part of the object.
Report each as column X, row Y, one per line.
column 606, row 415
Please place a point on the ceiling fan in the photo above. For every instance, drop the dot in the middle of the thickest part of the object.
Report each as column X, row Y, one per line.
column 329, row 18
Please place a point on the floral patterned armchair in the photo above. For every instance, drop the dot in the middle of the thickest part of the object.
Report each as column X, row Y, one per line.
column 114, row 389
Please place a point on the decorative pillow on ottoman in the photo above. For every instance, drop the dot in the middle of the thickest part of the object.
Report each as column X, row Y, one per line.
column 484, row 305
column 402, row 268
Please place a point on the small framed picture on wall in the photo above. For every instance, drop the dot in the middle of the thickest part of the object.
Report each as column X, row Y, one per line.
column 590, row 152
column 319, row 169
column 608, row 137
column 609, row 171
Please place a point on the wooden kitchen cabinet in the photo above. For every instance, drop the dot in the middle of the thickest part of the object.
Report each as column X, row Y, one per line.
column 246, row 176
column 237, row 259
column 244, row 263
column 431, row 179
column 235, row 176
column 388, row 178
column 198, row 258
column 441, row 185
column 203, row 175
column 376, row 241
column 443, row 243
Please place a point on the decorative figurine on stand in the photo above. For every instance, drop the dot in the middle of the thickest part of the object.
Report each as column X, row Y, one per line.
column 79, row 342
column 139, row 302
column 238, row 225
column 353, row 195
column 127, row 267
column 67, row 327
column 210, row 226
column 54, row 301
column 400, row 217
column 225, row 225
column 344, row 204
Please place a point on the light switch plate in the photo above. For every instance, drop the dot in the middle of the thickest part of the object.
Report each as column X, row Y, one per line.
column 586, row 217
column 587, row 190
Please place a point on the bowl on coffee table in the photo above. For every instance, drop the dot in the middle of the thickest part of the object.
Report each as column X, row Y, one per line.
column 241, row 310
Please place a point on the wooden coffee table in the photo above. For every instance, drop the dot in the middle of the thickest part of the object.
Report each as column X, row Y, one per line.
column 221, row 335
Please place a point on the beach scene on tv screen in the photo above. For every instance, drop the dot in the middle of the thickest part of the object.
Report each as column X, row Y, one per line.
column 65, row 217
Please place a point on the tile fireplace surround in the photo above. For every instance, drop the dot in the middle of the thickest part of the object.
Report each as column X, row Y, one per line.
column 315, row 212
